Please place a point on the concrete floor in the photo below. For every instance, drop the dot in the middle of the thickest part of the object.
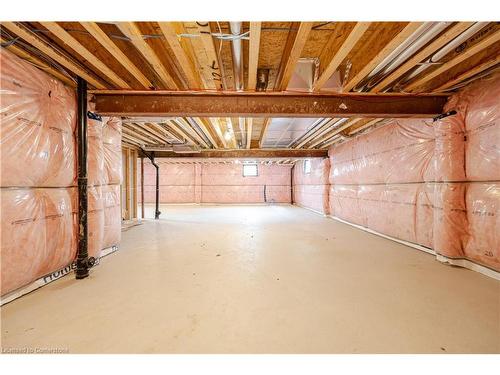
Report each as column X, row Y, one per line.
column 259, row 279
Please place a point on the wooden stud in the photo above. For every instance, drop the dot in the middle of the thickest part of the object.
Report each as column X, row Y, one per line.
column 384, row 52
column 75, row 45
column 131, row 31
column 134, row 184
column 170, row 31
column 435, row 45
column 293, row 49
column 42, row 65
column 116, row 52
column 486, row 42
column 51, row 52
column 346, row 47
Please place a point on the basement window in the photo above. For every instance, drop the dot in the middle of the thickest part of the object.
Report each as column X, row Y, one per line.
column 250, row 170
column 307, row 166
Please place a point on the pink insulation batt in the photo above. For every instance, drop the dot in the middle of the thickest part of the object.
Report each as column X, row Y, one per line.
column 311, row 190
column 431, row 183
column 216, row 183
column 38, row 233
column 38, row 115
column 39, row 202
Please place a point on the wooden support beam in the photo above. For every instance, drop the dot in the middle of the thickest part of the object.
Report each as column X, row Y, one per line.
column 131, row 31
column 483, row 44
column 244, row 153
column 170, row 31
column 346, row 47
column 470, row 73
column 94, row 30
column 44, row 47
column 293, row 49
column 435, row 45
column 253, row 54
column 383, row 53
column 76, row 46
column 40, row 64
column 180, row 104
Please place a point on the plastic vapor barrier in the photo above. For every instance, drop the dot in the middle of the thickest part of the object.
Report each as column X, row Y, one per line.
column 435, row 184
column 216, row 183
column 39, row 197
column 311, row 190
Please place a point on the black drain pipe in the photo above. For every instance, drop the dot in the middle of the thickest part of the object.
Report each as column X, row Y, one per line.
column 82, row 265
column 152, row 158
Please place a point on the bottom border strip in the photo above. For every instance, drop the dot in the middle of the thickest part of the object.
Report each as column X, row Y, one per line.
column 47, row 279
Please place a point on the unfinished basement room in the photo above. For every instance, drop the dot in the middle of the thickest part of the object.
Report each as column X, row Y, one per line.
column 250, row 187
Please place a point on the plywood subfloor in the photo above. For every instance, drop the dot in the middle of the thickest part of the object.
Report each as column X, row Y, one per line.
column 259, row 279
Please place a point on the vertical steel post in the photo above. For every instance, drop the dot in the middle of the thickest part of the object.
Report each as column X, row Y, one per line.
column 82, row 269
column 142, row 187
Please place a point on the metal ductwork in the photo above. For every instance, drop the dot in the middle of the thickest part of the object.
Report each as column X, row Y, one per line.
column 237, row 50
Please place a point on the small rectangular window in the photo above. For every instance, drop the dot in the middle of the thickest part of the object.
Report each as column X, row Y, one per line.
column 307, row 166
column 250, row 170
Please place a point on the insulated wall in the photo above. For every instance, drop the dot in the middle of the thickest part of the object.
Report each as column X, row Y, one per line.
column 215, row 183
column 39, row 198
column 311, row 188
column 435, row 184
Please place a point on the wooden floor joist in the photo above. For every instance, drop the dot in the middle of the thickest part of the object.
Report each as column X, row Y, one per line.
column 180, row 104
column 33, row 39
column 346, row 47
column 94, row 30
column 131, row 31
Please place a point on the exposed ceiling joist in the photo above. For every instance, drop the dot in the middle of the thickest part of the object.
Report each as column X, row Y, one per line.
column 76, row 46
column 116, row 52
column 296, row 41
column 179, row 104
column 483, row 44
column 205, row 130
column 384, row 52
column 253, row 54
column 470, row 73
column 179, row 129
column 334, row 132
column 263, row 130
column 209, row 46
column 438, row 43
column 38, row 63
column 170, row 31
column 249, row 124
column 33, row 39
column 131, row 31
column 346, row 47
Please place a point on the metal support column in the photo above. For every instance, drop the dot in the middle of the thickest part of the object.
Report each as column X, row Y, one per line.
column 82, row 265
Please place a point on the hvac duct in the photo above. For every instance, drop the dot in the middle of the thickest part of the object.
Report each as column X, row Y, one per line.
column 435, row 58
